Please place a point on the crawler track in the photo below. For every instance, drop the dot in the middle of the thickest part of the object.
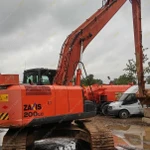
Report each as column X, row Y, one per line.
column 101, row 138
column 14, row 139
column 18, row 139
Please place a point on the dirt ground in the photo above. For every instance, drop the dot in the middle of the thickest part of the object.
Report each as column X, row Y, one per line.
column 109, row 120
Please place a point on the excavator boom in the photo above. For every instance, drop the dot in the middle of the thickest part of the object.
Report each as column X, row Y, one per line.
column 70, row 52
column 136, row 9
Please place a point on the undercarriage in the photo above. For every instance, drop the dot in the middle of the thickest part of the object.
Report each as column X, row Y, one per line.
column 97, row 137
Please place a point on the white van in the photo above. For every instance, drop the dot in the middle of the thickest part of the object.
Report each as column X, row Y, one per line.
column 128, row 104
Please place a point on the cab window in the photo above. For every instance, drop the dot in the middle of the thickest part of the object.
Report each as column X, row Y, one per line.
column 32, row 78
column 45, row 79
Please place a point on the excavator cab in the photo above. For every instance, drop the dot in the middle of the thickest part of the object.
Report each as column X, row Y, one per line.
column 39, row 76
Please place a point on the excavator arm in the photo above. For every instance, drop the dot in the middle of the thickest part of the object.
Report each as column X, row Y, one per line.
column 143, row 94
column 78, row 40
column 136, row 11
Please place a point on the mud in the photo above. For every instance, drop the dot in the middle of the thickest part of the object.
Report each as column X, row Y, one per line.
column 128, row 134
column 109, row 120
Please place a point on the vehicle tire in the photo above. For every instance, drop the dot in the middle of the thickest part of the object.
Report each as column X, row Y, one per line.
column 124, row 114
column 99, row 109
column 103, row 104
column 104, row 109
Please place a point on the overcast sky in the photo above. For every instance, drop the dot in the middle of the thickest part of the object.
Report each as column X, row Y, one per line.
column 33, row 31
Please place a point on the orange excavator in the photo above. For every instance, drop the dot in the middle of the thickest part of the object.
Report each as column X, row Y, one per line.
column 36, row 110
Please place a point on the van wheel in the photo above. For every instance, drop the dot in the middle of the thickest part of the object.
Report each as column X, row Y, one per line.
column 124, row 114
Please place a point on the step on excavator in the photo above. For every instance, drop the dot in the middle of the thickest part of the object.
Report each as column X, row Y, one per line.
column 47, row 104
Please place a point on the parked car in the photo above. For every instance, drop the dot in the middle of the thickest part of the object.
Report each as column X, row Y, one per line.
column 127, row 105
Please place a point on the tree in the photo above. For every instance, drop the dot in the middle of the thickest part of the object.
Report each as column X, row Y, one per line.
column 130, row 75
column 124, row 79
column 131, row 65
column 148, row 80
column 89, row 80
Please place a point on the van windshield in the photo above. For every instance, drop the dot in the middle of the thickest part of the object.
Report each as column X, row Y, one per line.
column 123, row 96
column 128, row 97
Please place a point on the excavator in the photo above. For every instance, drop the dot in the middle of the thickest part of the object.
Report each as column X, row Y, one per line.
column 35, row 110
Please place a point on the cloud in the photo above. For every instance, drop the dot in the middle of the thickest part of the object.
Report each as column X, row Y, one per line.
column 32, row 33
